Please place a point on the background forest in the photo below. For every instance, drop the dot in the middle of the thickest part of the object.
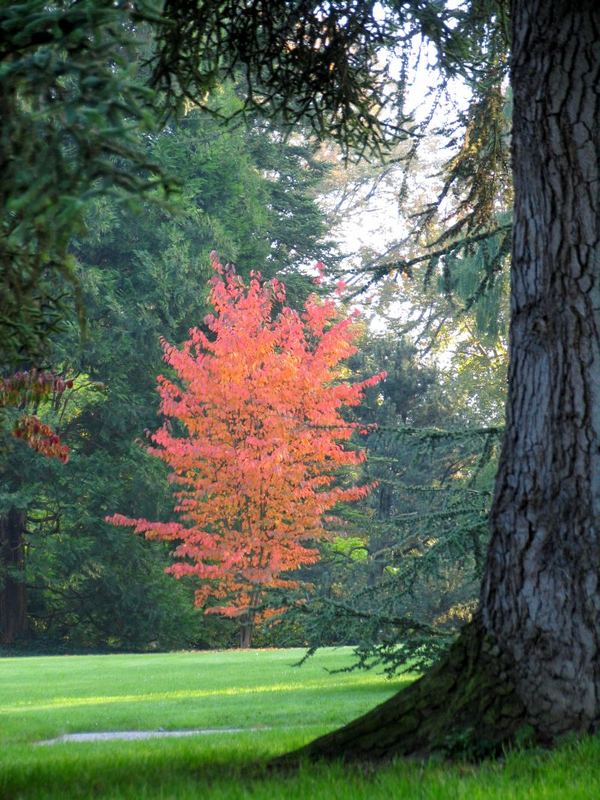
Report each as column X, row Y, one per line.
column 407, row 563
column 314, row 463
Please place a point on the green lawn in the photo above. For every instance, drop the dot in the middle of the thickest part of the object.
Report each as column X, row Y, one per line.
column 42, row 698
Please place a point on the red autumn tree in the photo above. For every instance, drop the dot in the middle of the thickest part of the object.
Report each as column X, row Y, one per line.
column 258, row 398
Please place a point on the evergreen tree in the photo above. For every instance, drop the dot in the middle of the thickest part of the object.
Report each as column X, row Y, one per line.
column 530, row 656
column 143, row 274
column 406, row 577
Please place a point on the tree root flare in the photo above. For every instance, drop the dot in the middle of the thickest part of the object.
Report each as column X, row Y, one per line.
column 464, row 708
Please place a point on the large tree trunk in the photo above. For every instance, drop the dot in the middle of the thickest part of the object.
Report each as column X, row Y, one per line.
column 541, row 595
column 530, row 659
column 13, row 618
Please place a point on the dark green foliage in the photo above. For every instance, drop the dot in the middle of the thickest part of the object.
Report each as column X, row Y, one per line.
column 427, row 536
column 89, row 588
column 405, row 579
column 80, row 81
column 400, row 587
column 72, row 104
column 74, row 98
column 142, row 276
column 77, row 98
column 301, row 61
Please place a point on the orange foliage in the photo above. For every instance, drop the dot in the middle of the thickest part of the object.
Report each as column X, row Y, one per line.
column 32, row 387
column 259, row 396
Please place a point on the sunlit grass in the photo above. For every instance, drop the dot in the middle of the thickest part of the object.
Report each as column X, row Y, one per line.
column 275, row 688
column 45, row 697
column 280, row 706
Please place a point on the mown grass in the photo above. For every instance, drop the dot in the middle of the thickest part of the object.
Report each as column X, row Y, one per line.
column 44, row 697
column 48, row 696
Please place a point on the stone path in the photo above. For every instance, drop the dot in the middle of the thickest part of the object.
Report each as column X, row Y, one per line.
column 156, row 734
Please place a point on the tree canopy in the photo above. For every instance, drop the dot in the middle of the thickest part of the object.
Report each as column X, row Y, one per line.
column 142, row 274
column 528, row 660
column 81, row 80
column 259, row 396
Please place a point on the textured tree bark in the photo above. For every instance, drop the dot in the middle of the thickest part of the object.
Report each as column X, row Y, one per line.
column 529, row 661
column 541, row 596
column 13, row 598
column 464, row 707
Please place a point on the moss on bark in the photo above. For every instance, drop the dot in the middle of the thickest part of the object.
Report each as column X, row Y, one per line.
column 464, row 707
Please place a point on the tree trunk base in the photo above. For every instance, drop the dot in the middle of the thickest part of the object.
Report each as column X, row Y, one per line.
column 464, row 707
column 13, row 595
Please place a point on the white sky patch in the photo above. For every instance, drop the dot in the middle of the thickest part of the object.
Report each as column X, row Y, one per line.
column 369, row 218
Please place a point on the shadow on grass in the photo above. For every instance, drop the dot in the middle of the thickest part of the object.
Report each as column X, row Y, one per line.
column 87, row 772
column 136, row 772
